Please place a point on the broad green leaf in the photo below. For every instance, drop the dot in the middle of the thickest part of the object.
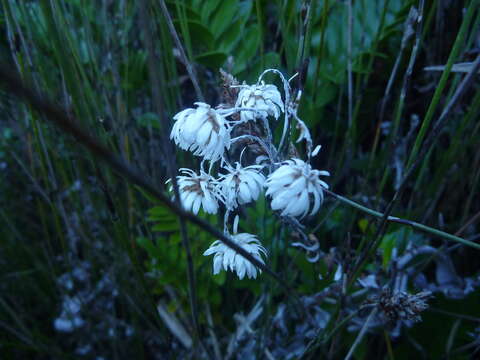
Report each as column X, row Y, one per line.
column 212, row 59
column 269, row 60
column 199, row 34
column 247, row 48
column 231, row 36
column 207, row 9
column 223, row 17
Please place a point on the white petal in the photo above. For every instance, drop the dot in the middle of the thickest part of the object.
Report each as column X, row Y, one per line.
column 294, row 207
column 217, row 263
column 253, row 187
column 244, row 193
column 203, row 133
column 188, row 200
column 228, row 259
column 281, row 200
column 316, row 150
column 317, row 202
column 209, row 204
column 303, row 204
column 196, row 204
column 298, row 185
column 282, row 171
column 241, row 269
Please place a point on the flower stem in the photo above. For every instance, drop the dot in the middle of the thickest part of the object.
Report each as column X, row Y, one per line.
column 361, row 334
column 413, row 224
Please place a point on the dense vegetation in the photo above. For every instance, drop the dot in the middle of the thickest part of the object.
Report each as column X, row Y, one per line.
column 94, row 266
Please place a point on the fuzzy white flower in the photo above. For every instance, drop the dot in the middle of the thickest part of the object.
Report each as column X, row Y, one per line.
column 242, row 184
column 294, row 187
column 227, row 258
column 198, row 190
column 202, row 130
column 265, row 98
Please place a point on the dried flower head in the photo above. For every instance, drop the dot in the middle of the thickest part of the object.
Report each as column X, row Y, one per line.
column 295, row 187
column 228, row 259
column 202, row 130
column 401, row 305
column 242, row 184
column 266, row 99
column 198, row 190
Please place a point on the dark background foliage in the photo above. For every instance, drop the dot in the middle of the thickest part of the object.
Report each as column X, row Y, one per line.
column 92, row 267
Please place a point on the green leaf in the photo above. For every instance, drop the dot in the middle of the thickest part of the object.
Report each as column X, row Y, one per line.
column 147, row 195
column 166, row 226
column 247, row 48
column 229, row 39
column 326, row 93
column 199, row 33
column 393, row 240
column 269, row 60
column 212, row 59
column 223, row 17
column 208, row 7
column 233, row 33
column 148, row 245
column 148, row 120
column 158, row 212
column 220, row 278
column 363, row 225
column 134, row 70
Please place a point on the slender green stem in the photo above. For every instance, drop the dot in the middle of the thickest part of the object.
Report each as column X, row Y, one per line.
column 459, row 41
column 413, row 224
column 360, row 336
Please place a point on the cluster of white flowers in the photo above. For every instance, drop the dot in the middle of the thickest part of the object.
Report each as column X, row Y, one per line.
column 294, row 187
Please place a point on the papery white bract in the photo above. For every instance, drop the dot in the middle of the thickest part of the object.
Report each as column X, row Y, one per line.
column 228, row 258
column 294, row 187
column 242, row 184
column 202, row 130
column 198, row 190
column 266, row 99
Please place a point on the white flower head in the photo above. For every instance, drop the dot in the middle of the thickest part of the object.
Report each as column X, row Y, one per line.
column 295, row 187
column 198, row 190
column 265, row 98
column 202, row 130
column 242, row 184
column 229, row 259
